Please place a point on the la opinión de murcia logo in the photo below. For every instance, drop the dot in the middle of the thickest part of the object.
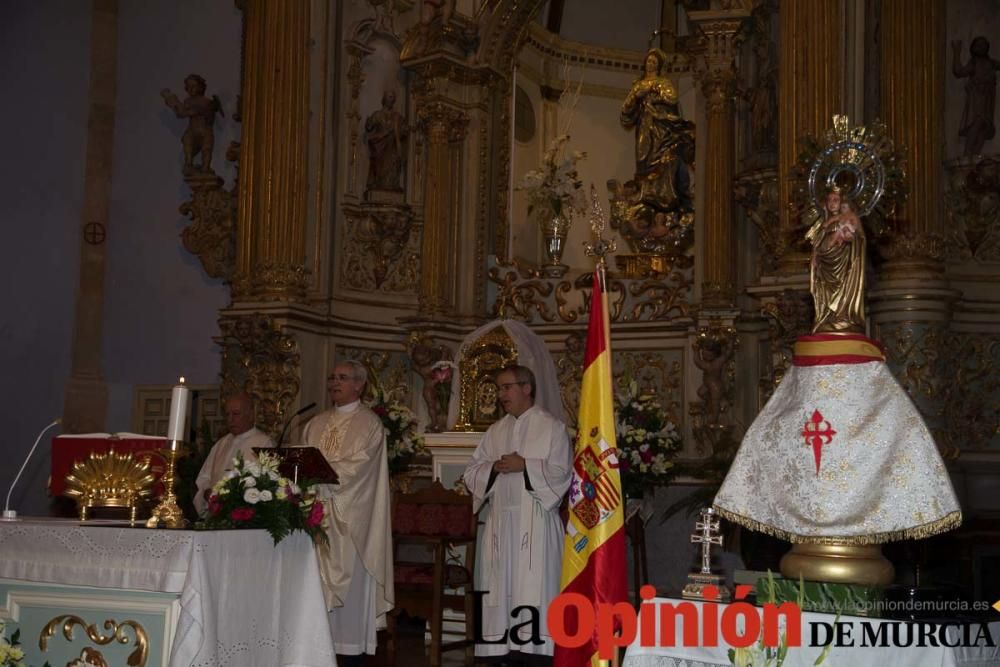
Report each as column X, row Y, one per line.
column 573, row 620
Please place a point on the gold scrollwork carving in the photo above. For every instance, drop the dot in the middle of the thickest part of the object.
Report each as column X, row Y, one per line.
column 972, row 406
column 757, row 194
column 391, row 369
column 524, row 295
column 789, row 315
column 212, row 233
column 973, row 209
column 380, row 252
column 260, row 358
column 117, row 633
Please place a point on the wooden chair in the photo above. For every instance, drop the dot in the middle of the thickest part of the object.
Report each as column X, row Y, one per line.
column 438, row 520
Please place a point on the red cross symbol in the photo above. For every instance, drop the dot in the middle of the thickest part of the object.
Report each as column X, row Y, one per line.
column 814, row 435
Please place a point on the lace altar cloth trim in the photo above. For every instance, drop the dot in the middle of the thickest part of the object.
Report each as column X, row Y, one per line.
column 244, row 602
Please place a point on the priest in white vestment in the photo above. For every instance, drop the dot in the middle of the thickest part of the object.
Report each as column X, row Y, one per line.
column 243, row 436
column 356, row 566
column 518, row 476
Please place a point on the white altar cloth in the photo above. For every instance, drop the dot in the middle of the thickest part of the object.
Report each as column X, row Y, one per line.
column 805, row 655
column 244, row 602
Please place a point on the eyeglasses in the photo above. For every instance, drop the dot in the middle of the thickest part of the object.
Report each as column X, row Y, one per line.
column 507, row 385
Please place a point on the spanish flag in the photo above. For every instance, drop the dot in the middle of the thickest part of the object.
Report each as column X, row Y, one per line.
column 594, row 550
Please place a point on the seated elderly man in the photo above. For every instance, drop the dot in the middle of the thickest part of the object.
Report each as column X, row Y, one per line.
column 241, row 439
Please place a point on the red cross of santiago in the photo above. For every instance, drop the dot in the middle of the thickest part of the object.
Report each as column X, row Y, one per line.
column 817, row 436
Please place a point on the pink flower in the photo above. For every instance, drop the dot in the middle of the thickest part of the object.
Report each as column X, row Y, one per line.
column 241, row 514
column 315, row 517
column 214, row 506
column 442, row 374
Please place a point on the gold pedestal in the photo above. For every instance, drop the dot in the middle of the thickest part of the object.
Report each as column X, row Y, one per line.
column 838, row 563
column 695, row 588
column 168, row 513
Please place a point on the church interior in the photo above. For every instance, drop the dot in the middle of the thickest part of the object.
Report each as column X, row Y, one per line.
column 244, row 192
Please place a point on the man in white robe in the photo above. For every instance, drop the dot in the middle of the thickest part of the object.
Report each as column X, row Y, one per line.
column 243, row 436
column 518, row 476
column 356, row 566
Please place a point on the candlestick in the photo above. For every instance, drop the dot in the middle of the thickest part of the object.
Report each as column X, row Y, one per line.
column 179, row 399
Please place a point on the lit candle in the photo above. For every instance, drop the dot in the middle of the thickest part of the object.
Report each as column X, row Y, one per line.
column 179, row 399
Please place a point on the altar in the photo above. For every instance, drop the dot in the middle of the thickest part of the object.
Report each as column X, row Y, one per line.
column 162, row 598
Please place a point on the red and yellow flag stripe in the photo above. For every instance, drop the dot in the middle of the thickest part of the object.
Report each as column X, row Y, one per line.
column 594, row 562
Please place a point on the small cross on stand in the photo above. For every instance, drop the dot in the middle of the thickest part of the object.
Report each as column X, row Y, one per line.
column 707, row 534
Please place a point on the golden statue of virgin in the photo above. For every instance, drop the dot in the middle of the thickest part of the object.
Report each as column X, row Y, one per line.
column 837, row 270
column 664, row 141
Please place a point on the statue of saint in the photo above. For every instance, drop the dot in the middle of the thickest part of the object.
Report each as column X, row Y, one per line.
column 837, row 270
column 980, row 93
column 386, row 133
column 664, row 141
column 200, row 112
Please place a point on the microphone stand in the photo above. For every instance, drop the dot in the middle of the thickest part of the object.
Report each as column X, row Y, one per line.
column 284, row 430
column 9, row 514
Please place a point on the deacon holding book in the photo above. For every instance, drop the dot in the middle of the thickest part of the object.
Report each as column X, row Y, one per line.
column 243, row 436
column 356, row 565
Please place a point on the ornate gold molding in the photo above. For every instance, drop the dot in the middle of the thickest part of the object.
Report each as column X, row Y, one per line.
column 391, row 369
column 926, row 250
column 973, row 210
column 261, row 359
column 212, row 233
column 381, row 252
column 272, row 281
column 137, row 658
column 523, row 294
column 714, row 349
column 789, row 315
column 479, row 404
column 757, row 193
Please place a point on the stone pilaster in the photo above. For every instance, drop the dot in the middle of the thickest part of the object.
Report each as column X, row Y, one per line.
column 274, row 162
column 86, row 400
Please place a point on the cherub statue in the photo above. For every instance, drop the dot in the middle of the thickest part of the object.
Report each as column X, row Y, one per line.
column 711, row 356
column 200, row 112
column 980, row 93
column 432, row 362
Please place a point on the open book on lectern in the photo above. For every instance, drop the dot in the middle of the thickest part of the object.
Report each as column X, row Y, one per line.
column 309, row 461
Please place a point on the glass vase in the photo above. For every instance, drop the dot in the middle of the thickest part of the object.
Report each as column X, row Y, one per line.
column 555, row 229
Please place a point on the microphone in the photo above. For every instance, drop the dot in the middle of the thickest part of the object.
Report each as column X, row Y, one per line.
column 9, row 514
column 288, row 423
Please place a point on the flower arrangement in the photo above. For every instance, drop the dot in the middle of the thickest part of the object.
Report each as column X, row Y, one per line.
column 647, row 440
column 255, row 495
column 11, row 654
column 441, row 373
column 555, row 187
column 403, row 440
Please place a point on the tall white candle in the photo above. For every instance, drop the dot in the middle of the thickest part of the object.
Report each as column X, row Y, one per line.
column 179, row 399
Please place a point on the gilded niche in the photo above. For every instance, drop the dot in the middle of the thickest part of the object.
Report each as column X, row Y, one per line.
column 261, row 359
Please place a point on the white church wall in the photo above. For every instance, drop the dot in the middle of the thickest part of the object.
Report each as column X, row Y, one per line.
column 160, row 306
column 44, row 75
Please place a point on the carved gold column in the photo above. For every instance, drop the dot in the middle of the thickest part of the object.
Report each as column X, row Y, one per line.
column 445, row 128
column 274, row 162
column 718, row 83
column 810, row 92
column 911, row 304
column 86, row 399
column 912, row 99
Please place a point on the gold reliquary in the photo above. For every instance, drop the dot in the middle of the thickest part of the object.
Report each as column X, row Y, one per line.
column 479, row 363
column 110, row 479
